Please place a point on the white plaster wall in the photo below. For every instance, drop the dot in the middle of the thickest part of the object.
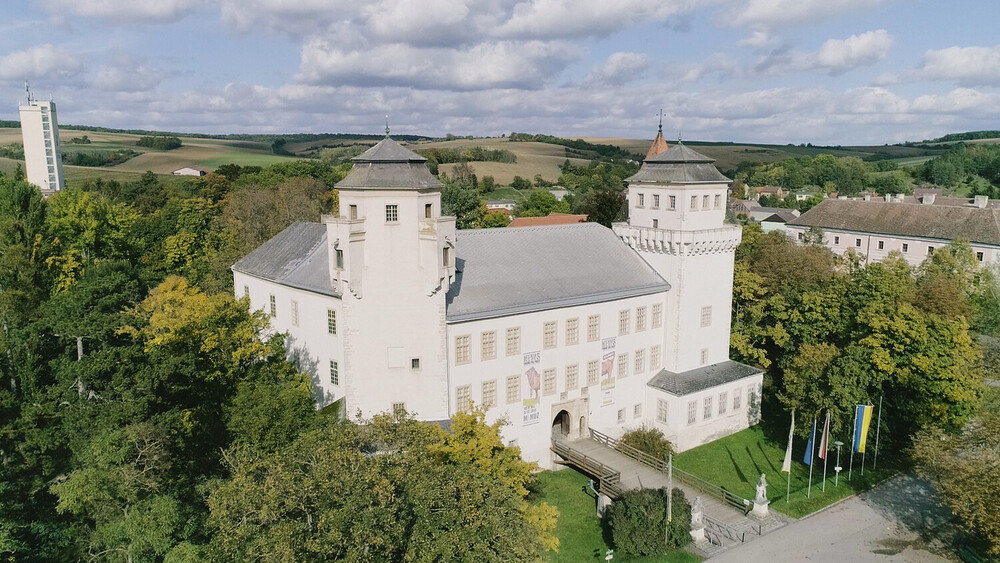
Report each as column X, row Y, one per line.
column 915, row 253
column 33, row 134
column 683, row 217
column 685, row 436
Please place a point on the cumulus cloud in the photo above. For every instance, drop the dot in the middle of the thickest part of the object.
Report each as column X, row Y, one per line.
column 771, row 14
column 42, row 60
column 757, row 39
column 834, row 57
column 126, row 74
column 618, row 68
column 145, row 11
column 969, row 66
column 584, row 18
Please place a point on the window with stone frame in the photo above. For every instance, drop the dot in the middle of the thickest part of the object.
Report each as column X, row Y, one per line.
column 692, row 412
column 549, row 382
column 673, row 202
column 723, row 402
column 572, row 377
column 737, row 397
column 463, row 352
column 637, row 410
column 654, row 357
column 572, row 331
column 706, row 316
column 592, row 373
column 656, row 201
column 489, row 394
column 513, row 341
column 463, row 398
column 331, row 321
column 391, row 213
column 334, row 372
column 513, row 389
column 623, row 364
column 640, row 319
column 707, row 412
column 549, row 336
column 704, row 356
column 624, row 322
column 657, row 315
column 488, row 345
column 661, row 411
column 295, row 312
column 621, row 416
column 642, row 200
column 274, row 306
column 718, row 201
column 593, row 328
column 694, row 203
column 639, row 362
column 704, row 202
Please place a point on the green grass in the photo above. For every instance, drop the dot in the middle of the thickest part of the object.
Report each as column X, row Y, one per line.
column 579, row 528
column 243, row 159
column 736, row 462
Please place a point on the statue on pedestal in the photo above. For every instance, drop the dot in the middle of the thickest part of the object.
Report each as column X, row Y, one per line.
column 760, row 503
column 697, row 521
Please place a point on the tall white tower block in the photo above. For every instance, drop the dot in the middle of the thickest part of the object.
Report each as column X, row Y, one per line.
column 40, row 134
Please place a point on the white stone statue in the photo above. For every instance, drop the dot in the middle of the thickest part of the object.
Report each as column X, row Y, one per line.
column 697, row 514
column 761, row 489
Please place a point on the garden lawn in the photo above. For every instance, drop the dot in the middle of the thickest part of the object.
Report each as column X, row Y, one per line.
column 736, row 462
column 579, row 529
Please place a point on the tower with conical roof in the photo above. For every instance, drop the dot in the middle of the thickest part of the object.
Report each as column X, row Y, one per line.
column 659, row 145
column 392, row 259
column 677, row 207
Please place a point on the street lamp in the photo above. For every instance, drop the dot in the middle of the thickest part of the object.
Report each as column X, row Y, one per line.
column 836, row 479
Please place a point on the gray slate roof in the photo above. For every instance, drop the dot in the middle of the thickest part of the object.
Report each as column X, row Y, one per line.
column 905, row 219
column 296, row 257
column 679, row 165
column 699, row 379
column 389, row 166
column 504, row 272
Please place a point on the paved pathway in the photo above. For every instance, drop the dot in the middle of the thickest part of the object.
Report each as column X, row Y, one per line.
column 888, row 523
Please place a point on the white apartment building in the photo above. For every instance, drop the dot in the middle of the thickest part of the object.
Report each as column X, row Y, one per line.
column 873, row 229
column 40, row 134
column 551, row 328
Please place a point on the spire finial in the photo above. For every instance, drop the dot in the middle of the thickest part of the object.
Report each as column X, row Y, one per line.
column 660, row 130
column 386, row 125
column 678, row 135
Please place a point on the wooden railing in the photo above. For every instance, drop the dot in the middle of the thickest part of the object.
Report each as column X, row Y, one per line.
column 609, row 480
column 722, row 528
column 736, row 501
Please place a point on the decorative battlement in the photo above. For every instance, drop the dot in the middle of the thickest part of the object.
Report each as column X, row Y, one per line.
column 680, row 243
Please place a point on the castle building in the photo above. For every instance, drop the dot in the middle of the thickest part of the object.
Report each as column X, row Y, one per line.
column 557, row 328
column 40, row 135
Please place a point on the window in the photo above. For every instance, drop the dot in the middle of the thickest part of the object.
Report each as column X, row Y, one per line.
column 694, row 203
column 572, row 377
column 801, row 236
column 661, row 411
column 930, row 250
column 640, row 319
column 718, row 201
column 905, row 247
column 704, row 356
column 427, row 210
column 692, row 412
column 704, row 202
column 706, row 412
column 463, row 398
column 513, row 341
column 572, row 331
column 392, row 215
column 463, row 355
column 414, row 363
column 399, row 409
column 489, row 394
column 673, row 202
column 640, row 361
column 642, row 200
column 881, row 245
column 723, row 402
column 592, row 372
column 657, row 315
column 488, row 345
column 549, row 335
column 737, row 397
column 656, row 223
column 334, row 372
column 623, row 322
column 246, row 291
column 706, row 316
column 751, row 397
column 593, row 328
column 656, row 201
column 623, row 365
column 979, row 256
column 295, row 313
column 654, row 357
column 857, row 242
column 274, row 307
column 446, row 257
column 331, row 321
column 354, row 213
column 549, row 382
column 621, row 416
column 836, row 240
column 513, row 389
column 637, row 411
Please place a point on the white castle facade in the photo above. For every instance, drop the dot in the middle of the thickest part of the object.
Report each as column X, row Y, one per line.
column 553, row 329
column 40, row 135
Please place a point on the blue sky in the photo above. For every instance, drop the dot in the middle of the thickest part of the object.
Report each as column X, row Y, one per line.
column 780, row 71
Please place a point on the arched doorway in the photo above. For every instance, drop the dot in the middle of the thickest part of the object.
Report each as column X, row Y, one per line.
column 560, row 423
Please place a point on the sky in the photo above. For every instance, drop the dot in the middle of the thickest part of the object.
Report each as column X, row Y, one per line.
column 766, row 71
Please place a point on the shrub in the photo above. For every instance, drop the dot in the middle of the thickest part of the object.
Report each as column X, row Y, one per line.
column 648, row 440
column 159, row 142
column 637, row 521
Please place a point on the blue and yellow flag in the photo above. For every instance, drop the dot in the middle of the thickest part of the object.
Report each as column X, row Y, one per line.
column 862, row 421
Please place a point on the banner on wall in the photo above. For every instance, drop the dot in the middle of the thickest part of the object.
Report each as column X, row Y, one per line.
column 531, row 388
column 608, row 371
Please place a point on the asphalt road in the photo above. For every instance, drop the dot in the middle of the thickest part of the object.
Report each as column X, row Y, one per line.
column 884, row 524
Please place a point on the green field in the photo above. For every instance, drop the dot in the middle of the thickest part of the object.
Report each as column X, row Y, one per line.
column 579, row 529
column 736, row 462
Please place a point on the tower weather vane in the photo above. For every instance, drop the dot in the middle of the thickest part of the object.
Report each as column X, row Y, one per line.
column 386, row 125
column 661, row 121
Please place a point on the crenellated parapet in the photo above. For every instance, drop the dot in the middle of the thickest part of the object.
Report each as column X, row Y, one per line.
column 680, row 243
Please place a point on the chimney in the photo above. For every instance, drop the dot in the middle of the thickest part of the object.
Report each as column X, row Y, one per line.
column 899, row 198
column 868, row 197
column 928, row 199
column 980, row 201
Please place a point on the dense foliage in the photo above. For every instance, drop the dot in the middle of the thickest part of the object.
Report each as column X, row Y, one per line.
column 976, row 165
column 14, row 151
column 649, row 440
column 579, row 148
column 98, row 158
column 481, row 154
column 638, row 522
column 846, row 176
column 159, row 142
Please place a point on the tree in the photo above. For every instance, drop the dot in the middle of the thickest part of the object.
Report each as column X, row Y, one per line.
column 462, row 201
column 494, row 219
column 540, row 203
column 487, row 185
column 519, row 183
column 638, row 522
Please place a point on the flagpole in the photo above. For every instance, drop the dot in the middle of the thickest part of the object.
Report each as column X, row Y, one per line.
column 812, row 458
column 825, row 446
column 878, row 427
column 854, row 431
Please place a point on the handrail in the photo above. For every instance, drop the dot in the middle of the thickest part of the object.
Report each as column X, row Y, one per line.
column 724, row 528
column 628, row 451
column 608, row 478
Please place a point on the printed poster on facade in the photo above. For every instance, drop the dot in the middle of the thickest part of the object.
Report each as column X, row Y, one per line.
column 608, row 371
column 531, row 388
